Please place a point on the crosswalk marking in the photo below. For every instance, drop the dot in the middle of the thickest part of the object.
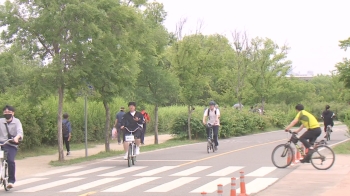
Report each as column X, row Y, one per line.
column 50, row 185
column 57, row 171
column 28, row 181
column 131, row 184
column 89, row 171
column 172, row 185
column 156, row 171
column 262, row 171
column 211, row 187
column 91, row 185
column 190, row 171
column 258, row 184
column 122, row 171
column 226, row 171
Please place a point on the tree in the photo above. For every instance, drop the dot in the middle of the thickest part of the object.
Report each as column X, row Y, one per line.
column 269, row 64
column 156, row 84
column 58, row 33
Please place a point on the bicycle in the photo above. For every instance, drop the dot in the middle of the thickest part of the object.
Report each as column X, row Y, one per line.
column 321, row 150
column 328, row 132
column 132, row 147
column 210, row 144
column 4, row 167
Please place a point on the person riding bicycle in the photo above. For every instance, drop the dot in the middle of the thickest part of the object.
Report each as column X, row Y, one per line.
column 10, row 127
column 214, row 115
column 132, row 120
column 313, row 130
column 327, row 117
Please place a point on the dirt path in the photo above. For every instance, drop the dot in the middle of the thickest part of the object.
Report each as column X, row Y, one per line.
column 33, row 165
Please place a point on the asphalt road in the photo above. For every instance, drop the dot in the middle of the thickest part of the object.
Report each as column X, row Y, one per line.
column 177, row 171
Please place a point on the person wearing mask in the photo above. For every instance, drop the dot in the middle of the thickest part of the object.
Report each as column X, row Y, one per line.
column 10, row 128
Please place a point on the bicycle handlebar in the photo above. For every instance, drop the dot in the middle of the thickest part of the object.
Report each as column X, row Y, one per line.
column 291, row 132
column 7, row 141
column 131, row 131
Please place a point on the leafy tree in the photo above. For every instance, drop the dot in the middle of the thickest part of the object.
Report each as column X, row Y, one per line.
column 269, row 64
column 58, row 33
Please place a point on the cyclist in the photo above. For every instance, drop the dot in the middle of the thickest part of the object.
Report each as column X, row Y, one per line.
column 313, row 130
column 213, row 114
column 10, row 127
column 132, row 120
column 327, row 117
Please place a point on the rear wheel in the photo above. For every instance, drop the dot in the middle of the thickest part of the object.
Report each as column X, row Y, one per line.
column 129, row 155
column 208, row 147
column 282, row 156
column 328, row 133
column 212, row 146
column 323, row 158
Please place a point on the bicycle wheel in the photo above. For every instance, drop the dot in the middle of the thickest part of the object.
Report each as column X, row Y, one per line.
column 212, row 146
column 282, row 155
column 133, row 158
column 323, row 158
column 328, row 133
column 6, row 177
column 129, row 155
column 208, row 147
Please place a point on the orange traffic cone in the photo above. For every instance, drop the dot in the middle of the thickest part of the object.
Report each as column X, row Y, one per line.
column 220, row 190
column 242, row 185
column 233, row 187
column 203, row 193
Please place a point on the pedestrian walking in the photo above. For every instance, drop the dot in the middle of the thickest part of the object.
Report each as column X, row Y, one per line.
column 118, row 121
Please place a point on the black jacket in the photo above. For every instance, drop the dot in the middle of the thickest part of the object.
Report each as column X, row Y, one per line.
column 129, row 122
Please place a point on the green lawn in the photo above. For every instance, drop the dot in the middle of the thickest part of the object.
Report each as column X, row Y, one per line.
column 343, row 148
column 101, row 155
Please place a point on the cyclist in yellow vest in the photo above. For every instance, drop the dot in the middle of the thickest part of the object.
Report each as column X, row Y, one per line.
column 309, row 122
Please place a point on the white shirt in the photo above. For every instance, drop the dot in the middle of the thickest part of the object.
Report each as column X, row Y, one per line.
column 213, row 119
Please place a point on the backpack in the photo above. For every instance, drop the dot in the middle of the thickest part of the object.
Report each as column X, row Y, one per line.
column 146, row 117
column 214, row 111
column 65, row 128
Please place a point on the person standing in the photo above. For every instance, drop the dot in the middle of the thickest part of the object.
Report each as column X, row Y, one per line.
column 66, row 132
column 147, row 119
column 118, row 121
column 10, row 128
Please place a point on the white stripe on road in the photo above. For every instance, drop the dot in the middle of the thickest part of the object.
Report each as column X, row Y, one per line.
column 89, row 171
column 262, row 171
column 122, row 171
column 115, row 160
column 172, row 185
column 212, row 186
column 258, row 184
column 50, row 185
column 57, row 171
column 156, row 171
column 91, row 185
column 28, row 181
column 190, row 171
column 131, row 184
column 226, row 171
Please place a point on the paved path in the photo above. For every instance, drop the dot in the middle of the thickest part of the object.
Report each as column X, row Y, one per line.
column 42, row 162
column 177, row 171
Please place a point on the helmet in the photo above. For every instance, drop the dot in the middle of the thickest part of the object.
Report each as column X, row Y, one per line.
column 212, row 103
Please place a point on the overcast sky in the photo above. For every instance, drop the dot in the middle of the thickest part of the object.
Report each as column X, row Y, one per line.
column 312, row 28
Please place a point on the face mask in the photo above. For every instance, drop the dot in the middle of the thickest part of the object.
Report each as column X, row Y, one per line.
column 8, row 116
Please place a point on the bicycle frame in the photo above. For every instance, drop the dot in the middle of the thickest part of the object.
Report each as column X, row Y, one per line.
column 4, row 166
column 299, row 148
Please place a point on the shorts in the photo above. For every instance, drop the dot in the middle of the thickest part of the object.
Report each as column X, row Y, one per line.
column 137, row 134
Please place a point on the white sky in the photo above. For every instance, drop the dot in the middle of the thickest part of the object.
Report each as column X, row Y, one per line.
column 312, row 28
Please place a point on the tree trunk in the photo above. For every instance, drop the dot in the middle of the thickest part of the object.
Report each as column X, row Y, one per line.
column 59, row 124
column 262, row 105
column 156, row 124
column 107, row 125
column 189, row 123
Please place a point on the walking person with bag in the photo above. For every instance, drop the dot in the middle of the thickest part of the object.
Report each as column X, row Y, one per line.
column 10, row 128
column 66, row 132
column 147, row 119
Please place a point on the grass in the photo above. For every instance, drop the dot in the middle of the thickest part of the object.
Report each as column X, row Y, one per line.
column 343, row 148
column 49, row 150
column 102, row 155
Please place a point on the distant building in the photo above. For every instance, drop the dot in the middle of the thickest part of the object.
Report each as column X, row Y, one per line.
column 301, row 77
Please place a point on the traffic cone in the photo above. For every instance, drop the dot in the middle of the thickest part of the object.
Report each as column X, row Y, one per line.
column 242, row 185
column 220, row 190
column 289, row 157
column 233, row 187
column 203, row 193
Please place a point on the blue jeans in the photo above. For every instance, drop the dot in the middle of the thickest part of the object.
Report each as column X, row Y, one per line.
column 11, row 154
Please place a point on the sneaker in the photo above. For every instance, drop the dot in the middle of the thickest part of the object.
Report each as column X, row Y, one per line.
column 68, row 153
column 10, row 186
column 125, row 156
column 304, row 160
column 137, row 150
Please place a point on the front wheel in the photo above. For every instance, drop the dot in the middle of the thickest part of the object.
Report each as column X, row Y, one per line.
column 133, row 158
column 323, row 158
column 282, row 156
column 129, row 155
column 6, row 177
